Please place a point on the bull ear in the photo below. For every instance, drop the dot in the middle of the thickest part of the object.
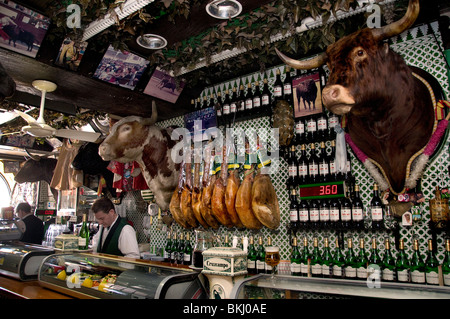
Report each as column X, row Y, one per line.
column 151, row 120
column 315, row 62
column 401, row 25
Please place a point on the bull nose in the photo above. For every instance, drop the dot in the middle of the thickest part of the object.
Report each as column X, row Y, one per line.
column 336, row 94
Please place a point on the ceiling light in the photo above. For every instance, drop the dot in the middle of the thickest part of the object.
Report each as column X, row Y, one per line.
column 223, row 9
column 151, row 41
column 123, row 11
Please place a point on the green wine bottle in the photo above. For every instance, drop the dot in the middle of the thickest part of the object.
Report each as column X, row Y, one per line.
column 446, row 264
column 361, row 261
column 295, row 259
column 83, row 236
column 187, row 256
column 327, row 261
column 388, row 267
column 316, row 260
column 417, row 268
column 350, row 261
column 402, row 263
column 431, row 266
column 338, row 262
column 374, row 267
column 251, row 257
column 168, row 248
column 260, row 257
column 305, row 260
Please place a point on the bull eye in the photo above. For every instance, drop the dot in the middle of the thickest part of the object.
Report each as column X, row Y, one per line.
column 360, row 52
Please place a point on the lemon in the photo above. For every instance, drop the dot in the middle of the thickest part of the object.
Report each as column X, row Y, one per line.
column 62, row 275
column 88, row 282
column 103, row 286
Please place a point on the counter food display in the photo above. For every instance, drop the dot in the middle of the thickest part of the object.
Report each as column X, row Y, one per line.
column 109, row 277
column 292, row 287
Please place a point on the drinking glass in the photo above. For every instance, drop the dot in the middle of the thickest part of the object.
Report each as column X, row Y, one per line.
column 272, row 258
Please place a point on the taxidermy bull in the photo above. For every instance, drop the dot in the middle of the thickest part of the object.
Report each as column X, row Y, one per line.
column 137, row 139
column 390, row 113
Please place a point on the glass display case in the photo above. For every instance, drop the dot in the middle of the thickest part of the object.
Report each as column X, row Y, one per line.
column 292, row 287
column 22, row 261
column 109, row 277
column 10, row 229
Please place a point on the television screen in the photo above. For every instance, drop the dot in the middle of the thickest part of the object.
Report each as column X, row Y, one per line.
column 121, row 68
column 21, row 29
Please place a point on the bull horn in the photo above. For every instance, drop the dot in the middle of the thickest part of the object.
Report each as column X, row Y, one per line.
column 401, row 25
column 151, row 120
column 33, row 157
column 315, row 62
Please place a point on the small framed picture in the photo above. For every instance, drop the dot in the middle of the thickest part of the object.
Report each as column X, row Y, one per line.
column 21, row 29
column 407, row 219
column 70, row 53
column 121, row 68
column 307, row 94
column 163, row 86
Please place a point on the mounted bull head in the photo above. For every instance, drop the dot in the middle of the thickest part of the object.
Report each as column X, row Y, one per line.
column 136, row 139
column 389, row 111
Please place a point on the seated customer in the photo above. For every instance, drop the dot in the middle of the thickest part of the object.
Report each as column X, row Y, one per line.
column 115, row 236
column 34, row 227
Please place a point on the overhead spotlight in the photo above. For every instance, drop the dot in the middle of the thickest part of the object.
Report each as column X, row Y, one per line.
column 151, row 41
column 224, row 9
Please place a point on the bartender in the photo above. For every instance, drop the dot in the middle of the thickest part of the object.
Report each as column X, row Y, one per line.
column 115, row 236
column 33, row 226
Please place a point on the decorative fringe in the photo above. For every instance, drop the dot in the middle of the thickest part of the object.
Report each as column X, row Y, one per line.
column 373, row 170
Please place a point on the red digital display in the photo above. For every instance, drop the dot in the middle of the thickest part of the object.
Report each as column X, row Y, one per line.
column 322, row 190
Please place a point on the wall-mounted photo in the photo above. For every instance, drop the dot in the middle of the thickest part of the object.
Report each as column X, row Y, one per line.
column 121, row 68
column 163, row 86
column 21, row 29
column 70, row 53
column 307, row 94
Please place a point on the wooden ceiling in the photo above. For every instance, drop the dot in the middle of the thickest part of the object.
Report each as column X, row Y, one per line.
column 79, row 90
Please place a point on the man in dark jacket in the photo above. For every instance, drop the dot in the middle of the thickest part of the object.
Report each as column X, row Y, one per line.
column 34, row 227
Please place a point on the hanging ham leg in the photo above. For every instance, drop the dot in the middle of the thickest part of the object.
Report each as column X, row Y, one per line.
column 243, row 203
column 218, row 206
column 197, row 196
column 265, row 201
column 174, row 205
column 231, row 190
column 207, row 190
column 186, row 198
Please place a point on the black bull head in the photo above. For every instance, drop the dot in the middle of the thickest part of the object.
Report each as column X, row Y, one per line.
column 390, row 114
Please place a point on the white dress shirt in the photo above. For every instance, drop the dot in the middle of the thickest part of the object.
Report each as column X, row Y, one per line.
column 127, row 240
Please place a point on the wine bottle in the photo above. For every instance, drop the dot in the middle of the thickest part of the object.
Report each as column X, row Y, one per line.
column 376, row 210
column 241, row 101
column 193, row 106
column 174, row 250
column 293, row 211
column 357, row 210
column 248, row 100
column 311, row 129
column 226, row 241
column 265, row 97
column 361, row 261
column 168, row 248
column 322, row 127
column 324, row 213
column 305, row 260
column 327, row 261
column 300, row 131
column 333, row 172
column 431, row 266
column 316, row 260
column 233, row 105
column 219, row 108
column 205, row 102
column 314, row 219
column 187, row 259
column 324, row 164
column 295, row 259
column 226, row 104
column 198, row 104
column 402, row 264
column 350, row 261
column 313, row 166
column 251, row 257
column 333, row 120
column 303, row 166
column 417, row 268
column 338, row 262
column 180, row 256
column 287, row 87
column 346, row 212
column 292, row 180
column 375, row 262
column 335, row 213
column 348, row 168
column 303, row 214
column 257, row 99
column 260, row 257
column 277, row 88
column 83, row 236
column 388, row 270
column 446, row 264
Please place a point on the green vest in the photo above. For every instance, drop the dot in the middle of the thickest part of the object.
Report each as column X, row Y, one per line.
column 111, row 244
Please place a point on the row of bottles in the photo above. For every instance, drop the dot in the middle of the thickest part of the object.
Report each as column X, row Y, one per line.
column 365, row 265
column 315, row 128
column 336, row 213
column 318, row 167
column 178, row 249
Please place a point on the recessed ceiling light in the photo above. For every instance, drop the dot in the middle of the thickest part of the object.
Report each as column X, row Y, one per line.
column 224, row 9
column 151, row 41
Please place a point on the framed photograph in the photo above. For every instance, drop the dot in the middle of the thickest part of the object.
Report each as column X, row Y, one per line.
column 163, row 86
column 307, row 94
column 21, row 29
column 121, row 68
column 70, row 54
